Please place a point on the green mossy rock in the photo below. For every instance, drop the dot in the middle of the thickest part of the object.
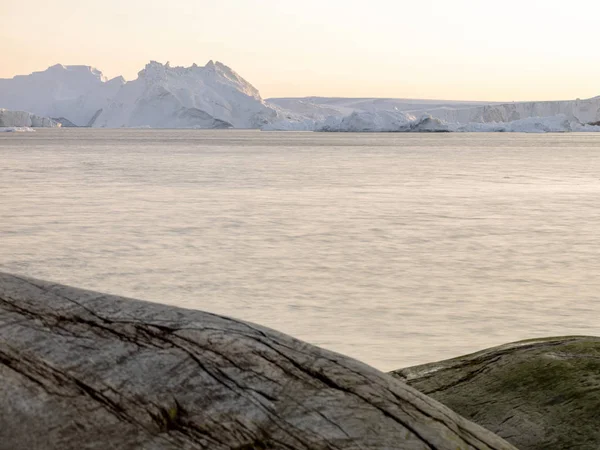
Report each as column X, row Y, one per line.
column 541, row 394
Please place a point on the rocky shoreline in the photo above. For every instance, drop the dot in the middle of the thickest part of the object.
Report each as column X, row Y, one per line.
column 85, row 370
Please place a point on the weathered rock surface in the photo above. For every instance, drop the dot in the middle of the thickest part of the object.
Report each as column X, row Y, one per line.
column 539, row 395
column 83, row 370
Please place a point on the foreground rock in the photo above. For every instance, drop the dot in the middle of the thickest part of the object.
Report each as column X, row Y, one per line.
column 83, row 370
column 538, row 395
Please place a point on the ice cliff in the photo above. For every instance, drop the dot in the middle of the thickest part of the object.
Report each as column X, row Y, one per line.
column 356, row 115
column 398, row 122
column 460, row 113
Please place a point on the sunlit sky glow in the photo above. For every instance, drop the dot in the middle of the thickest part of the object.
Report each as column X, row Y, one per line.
column 447, row 49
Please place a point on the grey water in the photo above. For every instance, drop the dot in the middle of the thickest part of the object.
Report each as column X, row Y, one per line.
column 395, row 249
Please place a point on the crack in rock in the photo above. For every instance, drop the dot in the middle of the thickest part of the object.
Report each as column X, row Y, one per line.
column 82, row 370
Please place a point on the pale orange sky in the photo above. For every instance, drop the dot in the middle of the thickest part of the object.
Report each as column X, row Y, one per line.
column 462, row 49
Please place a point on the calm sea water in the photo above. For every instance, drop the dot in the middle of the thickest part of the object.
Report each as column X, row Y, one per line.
column 395, row 249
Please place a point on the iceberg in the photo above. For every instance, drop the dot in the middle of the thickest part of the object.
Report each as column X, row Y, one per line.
column 323, row 107
column 72, row 92
column 212, row 96
column 383, row 121
column 402, row 122
column 22, row 119
column 577, row 111
column 405, row 115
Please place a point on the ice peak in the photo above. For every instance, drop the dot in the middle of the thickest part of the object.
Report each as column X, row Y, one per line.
column 153, row 64
column 75, row 70
column 118, row 80
column 226, row 69
column 153, row 70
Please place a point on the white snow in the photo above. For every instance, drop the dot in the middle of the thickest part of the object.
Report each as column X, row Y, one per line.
column 22, row 119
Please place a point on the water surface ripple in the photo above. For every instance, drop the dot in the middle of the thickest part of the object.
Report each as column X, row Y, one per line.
column 395, row 249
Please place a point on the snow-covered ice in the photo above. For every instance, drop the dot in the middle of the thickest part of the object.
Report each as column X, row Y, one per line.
column 394, row 121
column 211, row 96
column 578, row 111
column 215, row 96
column 73, row 92
column 323, row 107
column 403, row 115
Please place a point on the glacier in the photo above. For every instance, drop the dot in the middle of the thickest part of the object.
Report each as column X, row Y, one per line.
column 214, row 96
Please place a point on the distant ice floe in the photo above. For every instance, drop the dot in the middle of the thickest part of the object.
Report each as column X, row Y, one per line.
column 16, row 130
